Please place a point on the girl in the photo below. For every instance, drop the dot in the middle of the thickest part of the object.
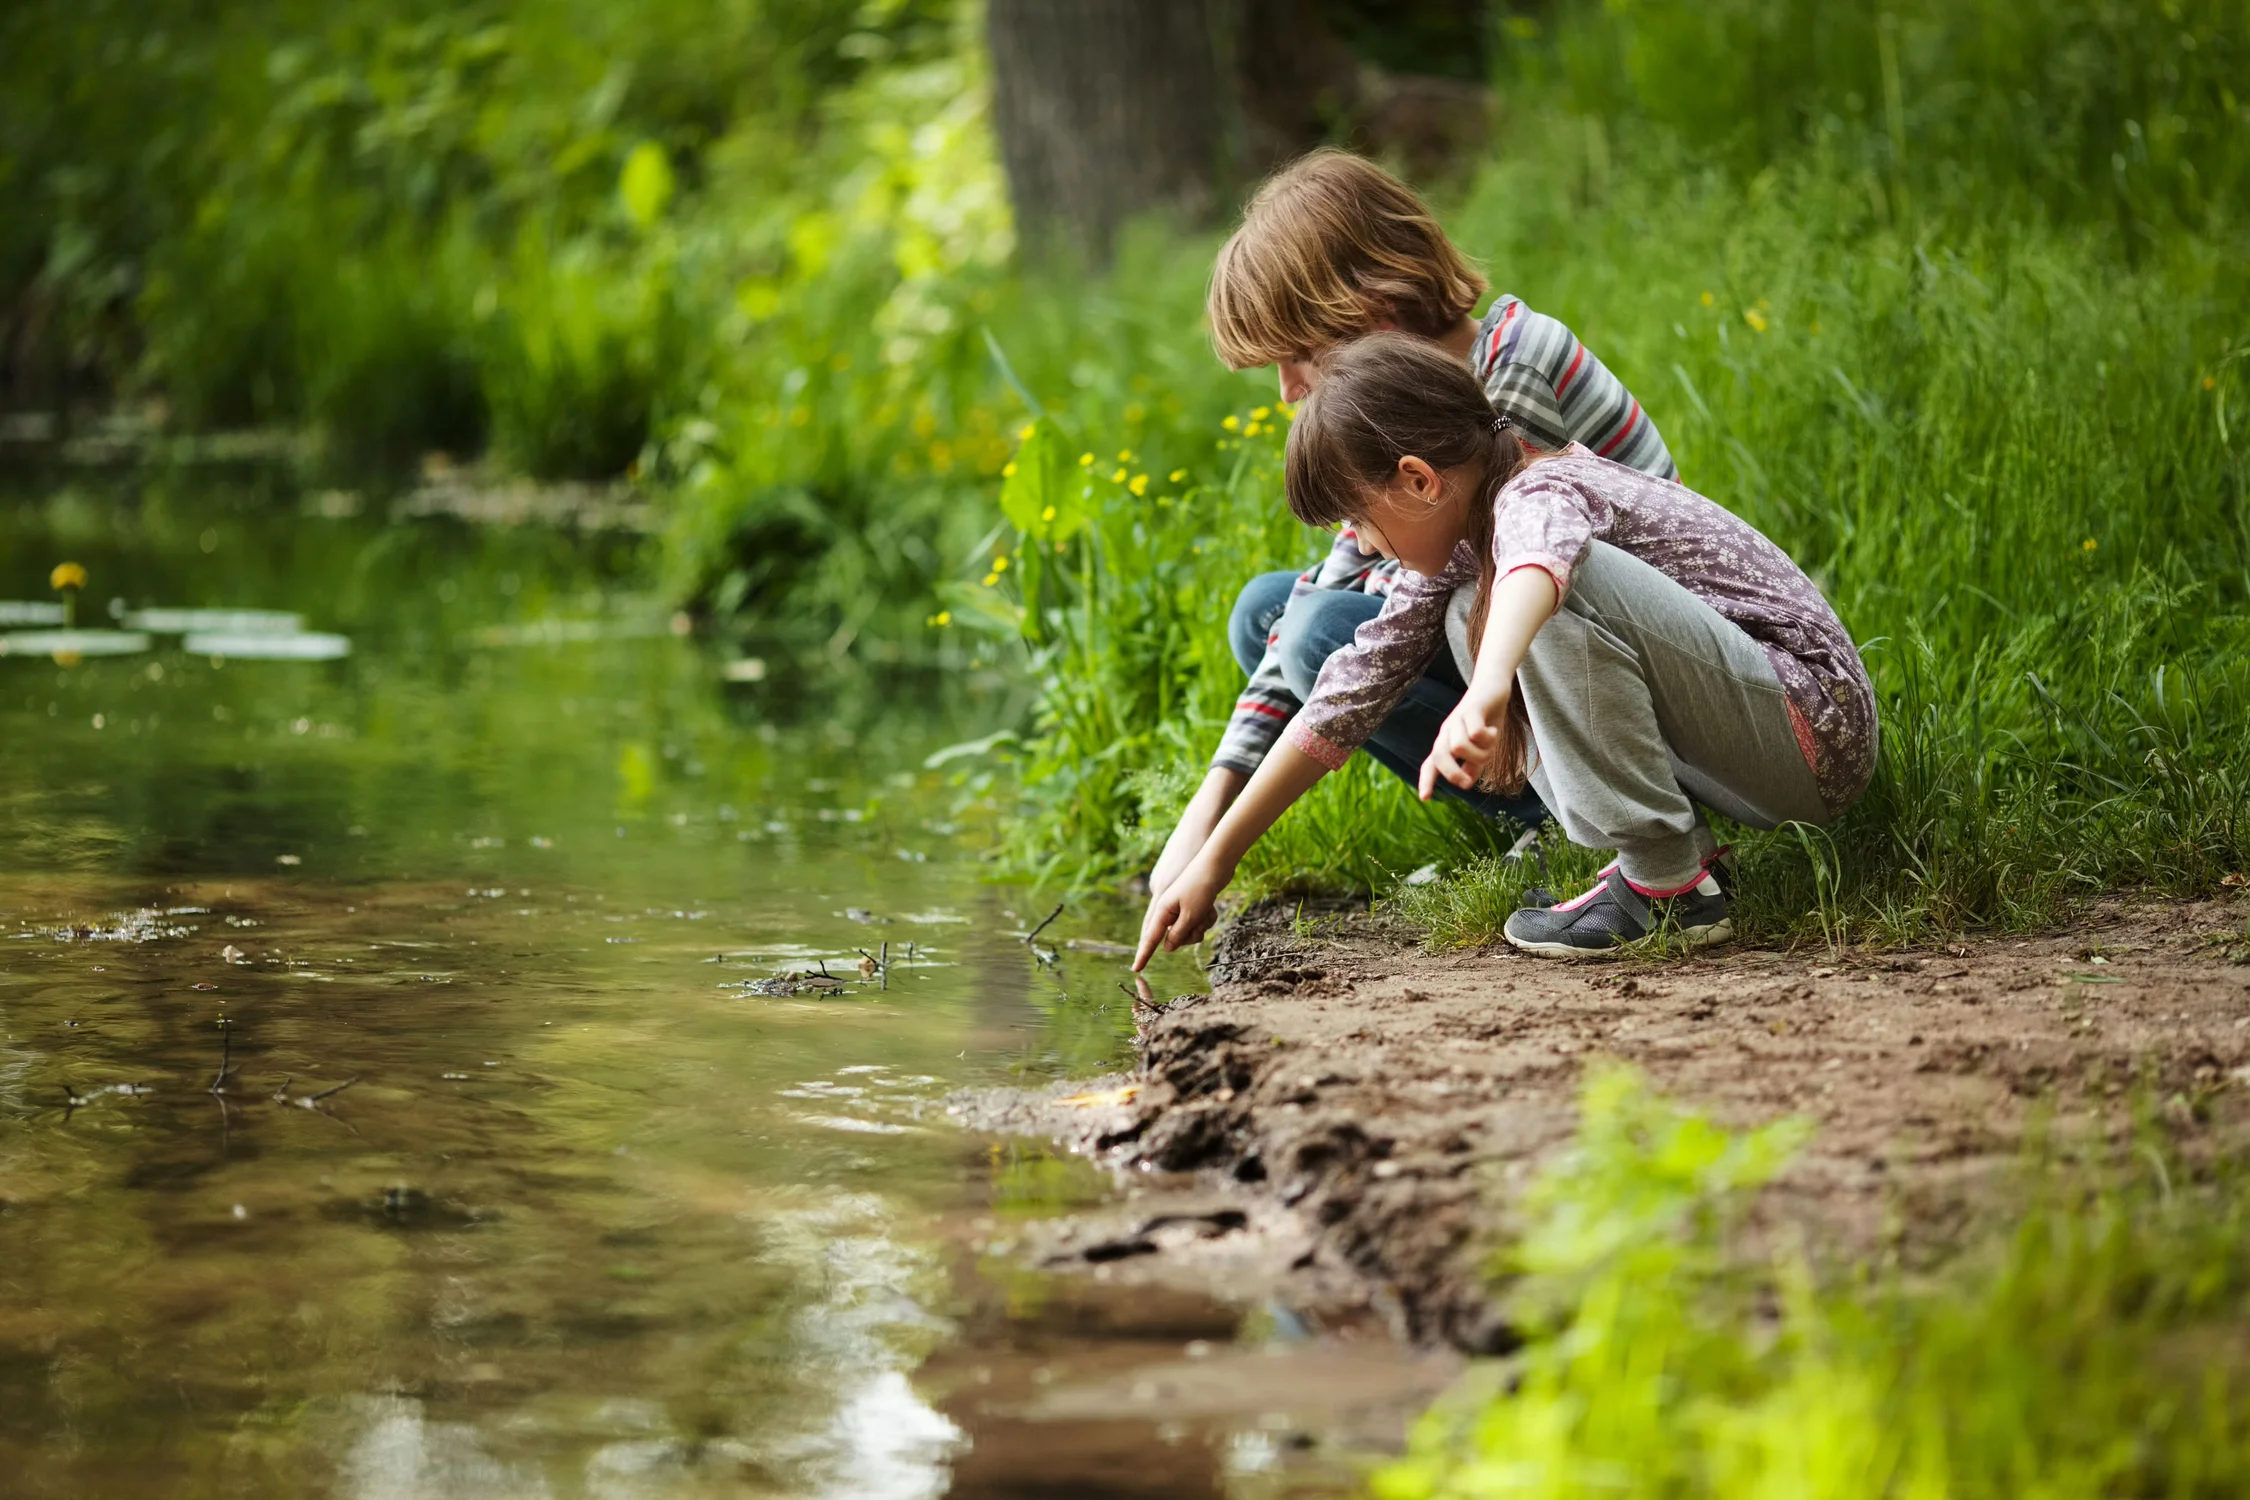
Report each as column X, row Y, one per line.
column 1632, row 649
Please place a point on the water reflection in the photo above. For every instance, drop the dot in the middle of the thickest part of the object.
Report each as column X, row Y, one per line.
column 383, row 1111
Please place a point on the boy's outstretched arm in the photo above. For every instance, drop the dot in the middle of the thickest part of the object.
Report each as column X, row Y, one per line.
column 1221, row 785
column 1182, row 912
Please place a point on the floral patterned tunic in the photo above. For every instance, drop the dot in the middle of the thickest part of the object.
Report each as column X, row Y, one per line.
column 1547, row 517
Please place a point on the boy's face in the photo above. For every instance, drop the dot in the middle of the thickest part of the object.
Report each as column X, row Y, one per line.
column 1298, row 377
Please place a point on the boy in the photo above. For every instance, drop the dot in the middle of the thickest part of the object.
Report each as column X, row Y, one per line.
column 1330, row 248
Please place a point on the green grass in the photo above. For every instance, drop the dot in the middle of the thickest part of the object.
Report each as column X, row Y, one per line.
column 2089, row 1352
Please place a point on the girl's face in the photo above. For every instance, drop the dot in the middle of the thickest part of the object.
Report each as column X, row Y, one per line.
column 1418, row 518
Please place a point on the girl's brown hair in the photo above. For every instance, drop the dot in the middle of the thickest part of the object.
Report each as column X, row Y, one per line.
column 1385, row 397
column 1329, row 247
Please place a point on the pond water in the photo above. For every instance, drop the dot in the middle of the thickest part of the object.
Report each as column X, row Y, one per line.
column 389, row 1106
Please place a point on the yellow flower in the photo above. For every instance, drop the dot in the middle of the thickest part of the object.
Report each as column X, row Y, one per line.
column 1754, row 318
column 1139, row 486
column 67, row 576
column 1023, row 434
column 1048, row 514
column 1118, row 477
column 1000, row 563
column 2088, row 545
column 1008, row 471
column 942, row 617
column 991, row 579
column 1261, row 414
column 1124, row 455
column 1252, row 430
column 1708, row 299
column 1178, row 475
column 1085, row 460
column 1232, row 422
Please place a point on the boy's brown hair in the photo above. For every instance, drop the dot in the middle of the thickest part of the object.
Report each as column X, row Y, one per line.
column 1329, row 247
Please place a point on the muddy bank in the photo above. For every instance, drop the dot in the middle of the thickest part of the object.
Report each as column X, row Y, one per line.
column 1339, row 1124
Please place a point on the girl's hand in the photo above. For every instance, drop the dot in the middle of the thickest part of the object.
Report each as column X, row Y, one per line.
column 1465, row 745
column 1181, row 913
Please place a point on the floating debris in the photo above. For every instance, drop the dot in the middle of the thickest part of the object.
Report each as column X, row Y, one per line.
column 146, row 925
column 795, row 983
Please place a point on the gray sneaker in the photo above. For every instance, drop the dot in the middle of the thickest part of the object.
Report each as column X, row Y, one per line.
column 1611, row 914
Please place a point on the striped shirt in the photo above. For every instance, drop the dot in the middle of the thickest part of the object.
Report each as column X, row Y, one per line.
column 1540, row 377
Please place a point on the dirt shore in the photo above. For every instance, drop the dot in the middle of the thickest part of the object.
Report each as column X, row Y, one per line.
column 1337, row 1127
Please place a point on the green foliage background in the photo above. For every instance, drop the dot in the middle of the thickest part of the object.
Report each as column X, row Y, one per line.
column 1948, row 298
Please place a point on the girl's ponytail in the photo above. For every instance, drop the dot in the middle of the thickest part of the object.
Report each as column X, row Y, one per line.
column 1381, row 398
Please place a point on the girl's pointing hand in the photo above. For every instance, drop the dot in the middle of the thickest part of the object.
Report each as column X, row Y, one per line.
column 1181, row 915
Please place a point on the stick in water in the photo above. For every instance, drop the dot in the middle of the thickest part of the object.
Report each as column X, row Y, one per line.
column 1042, row 927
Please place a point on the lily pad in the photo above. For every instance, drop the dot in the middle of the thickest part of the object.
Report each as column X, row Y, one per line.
column 310, row 645
column 72, row 642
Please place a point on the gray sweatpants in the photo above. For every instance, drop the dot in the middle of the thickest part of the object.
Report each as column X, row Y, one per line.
column 1647, row 706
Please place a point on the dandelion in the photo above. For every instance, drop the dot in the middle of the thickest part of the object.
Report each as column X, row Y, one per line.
column 1048, row 514
column 1124, row 455
column 1000, row 563
column 2088, row 545
column 942, row 617
column 1754, row 318
column 1232, row 422
column 991, row 580
column 1261, row 414
column 67, row 579
column 1008, row 471
column 1178, row 475
column 1118, row 477
column 1708, row 299
column 1252, row 430
column 1023, row 434
column 1288, row 412
column 1085, row 460
column 1139, row 486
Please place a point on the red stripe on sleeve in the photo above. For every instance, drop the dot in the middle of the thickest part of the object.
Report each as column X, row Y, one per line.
column 1570, row 374
column 1630, row 423
column 1252, row 705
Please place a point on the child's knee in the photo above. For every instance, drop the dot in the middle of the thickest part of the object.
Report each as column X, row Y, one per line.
column 1316, row 626
column 1256, row 610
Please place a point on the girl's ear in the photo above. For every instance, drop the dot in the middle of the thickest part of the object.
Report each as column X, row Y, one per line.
column 1420, row 480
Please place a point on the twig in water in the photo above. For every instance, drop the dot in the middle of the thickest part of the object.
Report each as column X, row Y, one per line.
column 226, row 1056
column 885, row 963
column 312, row 1099
column 1042, row 927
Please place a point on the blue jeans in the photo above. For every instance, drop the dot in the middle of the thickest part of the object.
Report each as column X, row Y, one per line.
column 1312, row 630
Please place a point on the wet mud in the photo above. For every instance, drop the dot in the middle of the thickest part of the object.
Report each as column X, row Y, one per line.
column 1340, row 1125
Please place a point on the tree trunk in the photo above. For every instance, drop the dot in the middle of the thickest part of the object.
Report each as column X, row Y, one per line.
column 1105, row 109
